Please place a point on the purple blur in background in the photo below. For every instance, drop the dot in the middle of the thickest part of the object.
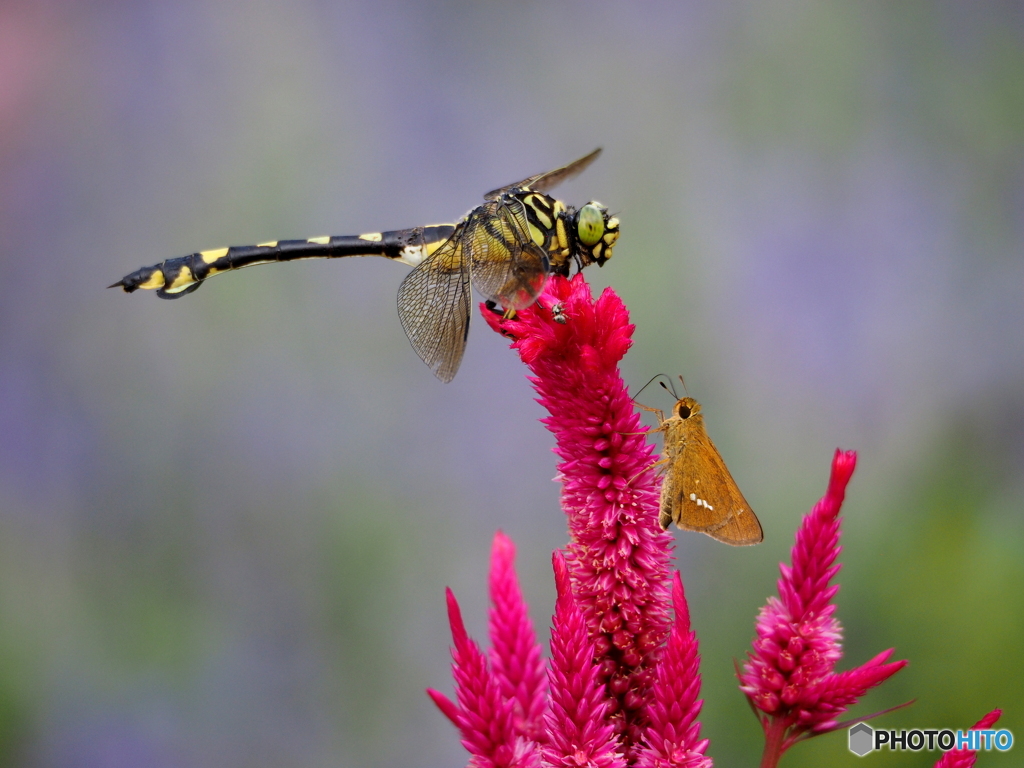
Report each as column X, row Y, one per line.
column 227, row 522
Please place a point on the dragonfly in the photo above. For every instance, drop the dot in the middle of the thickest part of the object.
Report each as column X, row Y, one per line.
column 506, row 248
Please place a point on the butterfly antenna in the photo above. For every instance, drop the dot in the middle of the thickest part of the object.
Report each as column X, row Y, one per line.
column 645, row 386
column 670, row 387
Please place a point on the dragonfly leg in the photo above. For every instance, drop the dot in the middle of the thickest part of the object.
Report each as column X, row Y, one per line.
column 506, row 314
column 492, row 306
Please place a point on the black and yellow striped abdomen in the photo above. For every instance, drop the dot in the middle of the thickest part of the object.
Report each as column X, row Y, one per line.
column 176, row 277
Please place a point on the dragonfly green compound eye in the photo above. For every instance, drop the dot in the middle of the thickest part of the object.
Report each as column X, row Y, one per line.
column 590, row 224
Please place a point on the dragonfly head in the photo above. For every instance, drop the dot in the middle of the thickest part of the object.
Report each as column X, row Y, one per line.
column 596, row 233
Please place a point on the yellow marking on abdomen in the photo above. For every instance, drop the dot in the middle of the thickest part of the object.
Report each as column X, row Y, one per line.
column 181, row 281
column 320, row 240
column 373, row 237
column 209, row 257
column 155, row 280
column 431, row 247
column 268, row 244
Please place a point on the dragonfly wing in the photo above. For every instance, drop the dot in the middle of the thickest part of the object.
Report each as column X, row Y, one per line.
column 542, row 182
column 433, row 305
column 508, row 267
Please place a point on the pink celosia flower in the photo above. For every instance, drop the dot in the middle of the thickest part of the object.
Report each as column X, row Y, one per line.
column 622, row 690
column 618, row 555
column 964, row 758
column 483, row 716
column 515, row 654
column 607, row 699
column 579, row 731
column 789, row 677
column 673, row 733
column 575, row 728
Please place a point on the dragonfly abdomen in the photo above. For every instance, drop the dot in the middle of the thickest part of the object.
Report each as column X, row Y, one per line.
column 178, row 276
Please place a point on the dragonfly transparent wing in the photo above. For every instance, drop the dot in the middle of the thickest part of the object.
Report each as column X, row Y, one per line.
column 543, row 182
column 433, row 305
column 507, row 266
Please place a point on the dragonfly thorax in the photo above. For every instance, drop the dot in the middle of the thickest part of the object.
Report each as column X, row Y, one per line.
column 585, row 236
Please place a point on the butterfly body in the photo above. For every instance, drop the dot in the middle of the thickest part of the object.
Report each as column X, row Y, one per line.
column 698, row 492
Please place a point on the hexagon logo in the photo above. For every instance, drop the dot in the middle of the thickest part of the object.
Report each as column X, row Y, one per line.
column 861, row 739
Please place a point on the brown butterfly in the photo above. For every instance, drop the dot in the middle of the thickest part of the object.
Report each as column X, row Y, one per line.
column 698, row 493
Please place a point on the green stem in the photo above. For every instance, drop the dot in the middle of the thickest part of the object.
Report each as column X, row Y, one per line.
column 773, row 739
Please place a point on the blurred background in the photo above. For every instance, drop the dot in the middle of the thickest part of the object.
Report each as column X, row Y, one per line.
column 227, row 522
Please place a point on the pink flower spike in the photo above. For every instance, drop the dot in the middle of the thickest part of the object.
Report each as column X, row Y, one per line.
column 673, row 733
column 789, row 677
column 618, row 555
column 623, row 681
column 448, row 707
column 483, row 718
column 579, row 733
column 843, row 690
column 515, row 654
column 964, row 758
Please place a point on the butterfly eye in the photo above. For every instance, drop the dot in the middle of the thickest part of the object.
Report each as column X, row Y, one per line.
column 684, row 411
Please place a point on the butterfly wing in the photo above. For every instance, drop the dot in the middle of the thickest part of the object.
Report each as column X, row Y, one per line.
column 699, row 493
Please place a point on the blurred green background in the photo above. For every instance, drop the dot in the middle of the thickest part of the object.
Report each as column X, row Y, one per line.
column 226, row 523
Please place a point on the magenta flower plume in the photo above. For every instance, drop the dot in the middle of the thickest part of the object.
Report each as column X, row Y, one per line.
column 964, row 758
column 515, row 655
column 623, row 682
column 483, row 716
column 510, row 719
column 618, row 555
column 616, row 694
column 789, row 677
column 579, row 732
column 673, row 733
